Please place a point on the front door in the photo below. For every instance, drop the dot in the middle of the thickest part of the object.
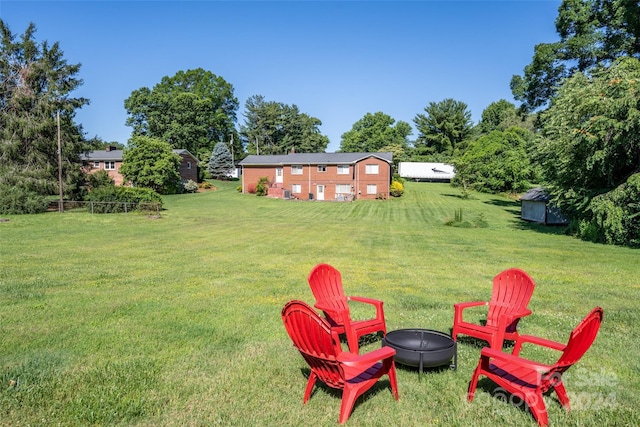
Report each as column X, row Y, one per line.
column 279, row 175
column 320, row 191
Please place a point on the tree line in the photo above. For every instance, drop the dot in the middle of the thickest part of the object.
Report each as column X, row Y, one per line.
column 575, row 132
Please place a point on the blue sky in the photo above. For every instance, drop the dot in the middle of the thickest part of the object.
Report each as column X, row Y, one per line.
column 335, row 60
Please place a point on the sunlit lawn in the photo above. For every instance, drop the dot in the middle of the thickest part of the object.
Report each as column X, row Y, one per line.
column 123, row 319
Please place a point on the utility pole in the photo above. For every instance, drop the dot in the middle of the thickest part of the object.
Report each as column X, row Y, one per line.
column 61, row 201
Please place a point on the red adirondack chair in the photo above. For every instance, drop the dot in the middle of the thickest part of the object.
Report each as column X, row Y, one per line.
column 529, row 380
column 326, row 284
column 320, row 347
column 512, row 290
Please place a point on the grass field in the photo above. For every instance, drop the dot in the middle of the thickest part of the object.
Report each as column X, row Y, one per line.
column 123, row 319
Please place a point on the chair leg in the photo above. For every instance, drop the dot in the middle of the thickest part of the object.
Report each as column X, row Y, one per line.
column 562, row 395
column 310, row 384
column 394, row 381
column 349, row 396
column 538, row 408
column 471, row 392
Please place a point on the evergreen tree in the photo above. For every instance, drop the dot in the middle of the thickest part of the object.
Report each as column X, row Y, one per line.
column 35, row 86
column 445, row 127
column 276, row 128
column 221, row 162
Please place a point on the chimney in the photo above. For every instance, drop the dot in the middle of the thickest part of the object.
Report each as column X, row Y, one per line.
column 293, row 150
column 110, row 148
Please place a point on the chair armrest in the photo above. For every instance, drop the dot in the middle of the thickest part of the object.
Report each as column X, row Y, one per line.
column 459, row 307
column 491, row 353
column 522, row 313
column 543, row 342
column 327, row 308
column 506, row 318
column 350, row 359
column 371, row 301
column 463, row 305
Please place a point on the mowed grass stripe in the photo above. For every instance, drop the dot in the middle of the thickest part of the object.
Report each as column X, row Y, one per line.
column 176, row 320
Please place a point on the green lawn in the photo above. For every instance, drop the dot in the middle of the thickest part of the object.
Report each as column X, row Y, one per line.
column 123, row 319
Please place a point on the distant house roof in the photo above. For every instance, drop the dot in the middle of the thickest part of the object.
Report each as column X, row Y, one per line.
column 113, row 155
column 313, row 158
column 116, row 155
column 536, row 195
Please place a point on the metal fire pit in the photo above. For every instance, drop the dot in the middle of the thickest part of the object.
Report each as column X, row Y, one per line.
column 422, row 348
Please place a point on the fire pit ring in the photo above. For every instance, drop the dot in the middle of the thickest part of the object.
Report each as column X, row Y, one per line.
column 422, row 347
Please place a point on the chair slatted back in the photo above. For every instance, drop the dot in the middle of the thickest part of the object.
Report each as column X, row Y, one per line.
column 312, row 336
column 326, row 285
column 512, row 290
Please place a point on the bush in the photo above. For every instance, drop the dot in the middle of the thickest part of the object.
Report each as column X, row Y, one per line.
column 189, row 186
column 100, row 178
column 16, row 201
column 615, row 216
column 262, row 188
column 396, row 189
column 121, row 199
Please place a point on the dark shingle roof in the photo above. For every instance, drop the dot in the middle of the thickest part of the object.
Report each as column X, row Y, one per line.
column 313, row 158
column 116, row 155
column 535, row 195
column 113, row 155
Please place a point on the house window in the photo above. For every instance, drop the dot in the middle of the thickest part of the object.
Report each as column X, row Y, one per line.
column 296, row 170
column 322, row 168
column 96, row 164
column 110, row 165
column 188, row 165
column 343, row 169
column 371, row 169
column 296, row 188
column 343, row 188
column 372, row 189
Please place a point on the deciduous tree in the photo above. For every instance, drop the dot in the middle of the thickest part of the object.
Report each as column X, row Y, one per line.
column 501, row 115
column 151, row 162
column 496, row 162
column 593, row 33
column 591, row 139
column 192, row 110
column 373, row 132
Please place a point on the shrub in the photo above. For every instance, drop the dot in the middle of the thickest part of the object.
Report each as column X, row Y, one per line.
column 121, row 199
column 615, row 216
column 262, row 188
column 17, row 200
column 396, row 189
column 99, row 179
column 189, row 186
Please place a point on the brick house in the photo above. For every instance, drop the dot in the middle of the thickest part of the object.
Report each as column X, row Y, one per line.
column 110, row 160
column 321, row 176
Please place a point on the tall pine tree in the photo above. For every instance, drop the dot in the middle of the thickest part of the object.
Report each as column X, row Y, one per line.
column 36, row 83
